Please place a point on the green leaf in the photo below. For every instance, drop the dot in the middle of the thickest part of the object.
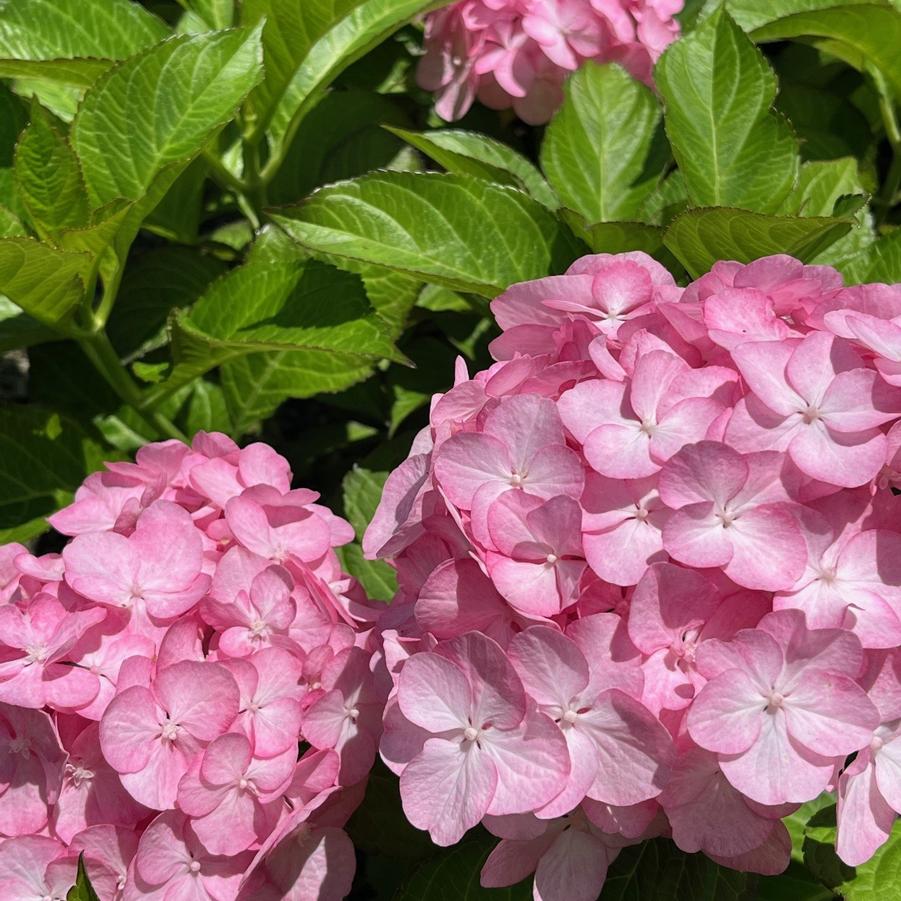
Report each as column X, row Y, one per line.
column 700, row 237
column 879, row 879
column 78, row 73
column 751, row 14
column 216, row 13
column 795, row 884
column 155, row 283
column 604, row 153
column 341, row 139
column 70, row 40
column 69, row 29
column 884, row 260
column 378, row 579
column 731, row 147
column 43, row 459
column 864, row 35
column 128, row 130
column 307, row 44
column 453, row 230
column 82, row 890
column 826, row 123
column 178, row 214
column 362, row 490
column 821, row 184
column 11, row 225
column 468, row 153
column 46, row 283
column 18, row 329
column 256, row 385
column 616, row 237
column 453, row 875
column 48, row 177
column 658, row 871
column 310, row 323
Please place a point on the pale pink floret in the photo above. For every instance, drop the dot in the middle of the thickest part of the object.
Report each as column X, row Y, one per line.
column 172, row 863
column 34, row 867
column 732, row 511
column 155, row 571
column 852, row 580
column 39, row 643
column 482, row 749
column 521, row 446
column 707, row 813
column 231, row 796
column 630, row 429
column 622, row 523
column 269, row 710
column 31, row 770
column 606, row 730
column 569, row 857
column 781, row 707
column 92, row 795
column 814, row 399
column 673, row 611
column 347, row 716
column 151, row 735
column 538, row 563
column 278, row 526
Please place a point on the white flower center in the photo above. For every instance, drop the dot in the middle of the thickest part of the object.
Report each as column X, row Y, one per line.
column 169, row 730
column 35, row 653
column 471, row 734
column 810, row 415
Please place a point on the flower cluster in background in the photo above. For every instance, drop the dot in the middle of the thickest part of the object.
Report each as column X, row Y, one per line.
column 517, row 53
column 187, row 692
column 650, row 572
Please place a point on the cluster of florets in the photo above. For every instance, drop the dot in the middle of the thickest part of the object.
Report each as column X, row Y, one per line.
column 187, row 693
column 517, row 53
column 650, row 572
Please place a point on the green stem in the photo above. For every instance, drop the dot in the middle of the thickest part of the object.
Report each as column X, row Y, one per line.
column 102, row 354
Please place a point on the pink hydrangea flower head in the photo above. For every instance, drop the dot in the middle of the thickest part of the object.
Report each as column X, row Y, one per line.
column 514, row 54
column 669, row 514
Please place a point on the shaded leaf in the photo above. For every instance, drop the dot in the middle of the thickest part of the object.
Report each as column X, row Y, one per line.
column 453, row 875
column 44, row 457
column 341, row 139
column 700, row 237
column 862, row 34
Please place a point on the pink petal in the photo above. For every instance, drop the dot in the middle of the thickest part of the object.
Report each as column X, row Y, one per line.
column 635, row 751
column 434, row 694
column 447, row 788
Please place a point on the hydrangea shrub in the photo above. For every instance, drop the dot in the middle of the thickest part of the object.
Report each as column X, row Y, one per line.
column 649, row 566
column 627, row 614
